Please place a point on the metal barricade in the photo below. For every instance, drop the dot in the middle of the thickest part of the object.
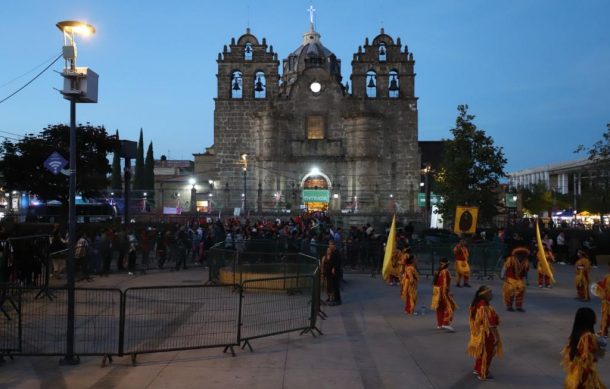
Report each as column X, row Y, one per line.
column 274, row 306
column 179, row 318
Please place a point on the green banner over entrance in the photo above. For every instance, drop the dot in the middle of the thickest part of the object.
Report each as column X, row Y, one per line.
column 434, row 199
column 316, row 195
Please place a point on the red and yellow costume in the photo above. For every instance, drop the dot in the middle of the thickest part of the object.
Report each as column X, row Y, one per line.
column 483, row 345
column 543, row 279
column 408, row 290
column 514, row 279
column 603, row 292
column 581, row 371
column 462, row 268
column 442, row 301
column 583, row 267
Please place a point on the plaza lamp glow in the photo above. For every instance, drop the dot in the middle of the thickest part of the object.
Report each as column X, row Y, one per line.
column 80, row 86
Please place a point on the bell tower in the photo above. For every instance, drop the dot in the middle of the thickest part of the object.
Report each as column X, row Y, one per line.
column 383, row 70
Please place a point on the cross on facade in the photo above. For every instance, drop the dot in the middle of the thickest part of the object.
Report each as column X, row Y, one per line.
column 311, row 11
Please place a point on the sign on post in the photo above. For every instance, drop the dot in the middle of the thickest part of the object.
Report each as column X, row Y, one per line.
column 434, row 199
column 55, row 163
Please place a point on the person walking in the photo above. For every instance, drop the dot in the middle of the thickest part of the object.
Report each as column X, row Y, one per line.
column 581, row 353
column 544, row 281
column 145, row 247
column 132, row 251
column 513, row 273
column 583, row 269
column 442, row 299
column 462, row 268
column 485, row 342
column 80, row 256
column 409, row 281
column 106, row 251
column 334, row 258
column 161, row 249
column 602, row 290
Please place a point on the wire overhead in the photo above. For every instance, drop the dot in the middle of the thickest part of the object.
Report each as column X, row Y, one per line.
column 32, row 80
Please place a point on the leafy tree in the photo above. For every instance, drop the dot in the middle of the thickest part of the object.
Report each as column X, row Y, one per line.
column 139, row 176
column 600, row 151
column 117, row 182
column 23, row 161
column 595, row 196
column 538, row 199
column 470, row 170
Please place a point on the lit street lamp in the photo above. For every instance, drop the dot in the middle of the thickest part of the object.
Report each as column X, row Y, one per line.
column 192, row 181
column 80, row 86
column 426, row 171
column 244, row 161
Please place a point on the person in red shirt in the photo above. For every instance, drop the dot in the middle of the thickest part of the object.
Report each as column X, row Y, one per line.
column 462, row 268
column 513, row 273
column 485, row 340
column 408, row 290
column 583, row 268
column 442, row 299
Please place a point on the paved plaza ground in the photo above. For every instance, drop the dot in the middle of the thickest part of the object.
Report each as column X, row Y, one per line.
column 368, row 342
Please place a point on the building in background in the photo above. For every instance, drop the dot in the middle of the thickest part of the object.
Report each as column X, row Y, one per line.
column 307, row 139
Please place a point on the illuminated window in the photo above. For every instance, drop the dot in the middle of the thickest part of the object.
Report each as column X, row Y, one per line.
column 315, row 127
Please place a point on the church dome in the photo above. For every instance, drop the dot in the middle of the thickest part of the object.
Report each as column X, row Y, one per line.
column 311, row 54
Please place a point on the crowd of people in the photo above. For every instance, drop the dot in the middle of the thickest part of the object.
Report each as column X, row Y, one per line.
column 585, row 345
column 178, row 246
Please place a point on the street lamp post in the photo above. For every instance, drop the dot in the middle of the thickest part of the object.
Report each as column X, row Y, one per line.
column 192, row 181
column 426, row 172
column 80, row 85
column 244, row 161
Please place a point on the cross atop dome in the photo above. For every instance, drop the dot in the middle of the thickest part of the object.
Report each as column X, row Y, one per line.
column 311, row 11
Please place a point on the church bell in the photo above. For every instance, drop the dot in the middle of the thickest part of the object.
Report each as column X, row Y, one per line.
column 258, row 87
column 393, row 84
column 371, row 83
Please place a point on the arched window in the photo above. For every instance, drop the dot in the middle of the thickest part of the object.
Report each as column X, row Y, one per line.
column 371, row 84
column 382, row 52
column 260, row 85
column 236, row 85
column 248, row 51
column 394, row 85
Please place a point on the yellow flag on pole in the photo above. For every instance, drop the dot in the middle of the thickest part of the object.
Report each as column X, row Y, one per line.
column 544, row 264
column 387, row 269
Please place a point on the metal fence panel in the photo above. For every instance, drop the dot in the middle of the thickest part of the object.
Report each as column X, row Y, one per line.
column 276, row 305
column 10, row 319
column 180, row 317
column 97, row 321
column 44, row 321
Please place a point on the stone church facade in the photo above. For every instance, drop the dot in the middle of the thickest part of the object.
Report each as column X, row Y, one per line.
column 306, row 137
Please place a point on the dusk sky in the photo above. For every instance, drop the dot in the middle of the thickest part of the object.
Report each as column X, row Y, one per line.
column 535, row 73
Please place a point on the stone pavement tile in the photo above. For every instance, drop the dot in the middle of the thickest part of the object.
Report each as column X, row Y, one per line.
column 322, row 378
column 368, row 343
column 205, row 377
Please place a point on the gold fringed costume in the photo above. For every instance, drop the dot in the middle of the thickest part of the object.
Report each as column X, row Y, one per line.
column 603, row 292
column 581, row 371
column 408, row 290
column 581, row 280
column 483, row 345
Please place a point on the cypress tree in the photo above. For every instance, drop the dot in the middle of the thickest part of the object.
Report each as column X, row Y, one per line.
column 149, row 167
column 149, row 170
column 138, row 180
column 116, row 182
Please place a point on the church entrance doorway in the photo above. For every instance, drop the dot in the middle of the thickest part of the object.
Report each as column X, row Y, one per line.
column 316, row 191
